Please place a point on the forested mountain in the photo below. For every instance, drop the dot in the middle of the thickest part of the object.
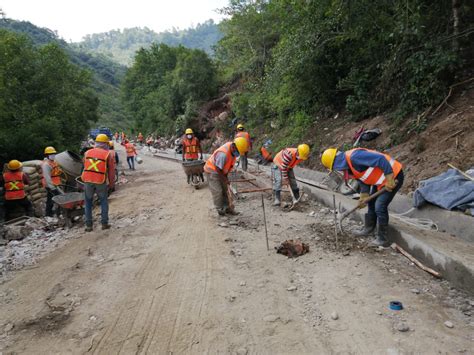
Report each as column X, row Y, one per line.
column 121, row 45
column 107, row 74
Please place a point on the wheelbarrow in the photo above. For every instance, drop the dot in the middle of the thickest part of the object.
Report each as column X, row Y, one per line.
column 71, row 204
column 194, row 169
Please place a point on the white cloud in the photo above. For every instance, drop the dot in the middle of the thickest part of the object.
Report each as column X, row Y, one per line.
column 75, row 19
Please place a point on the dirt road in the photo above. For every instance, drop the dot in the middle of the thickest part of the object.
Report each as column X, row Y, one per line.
column 168, row 279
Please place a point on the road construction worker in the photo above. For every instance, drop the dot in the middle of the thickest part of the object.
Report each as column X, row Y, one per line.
column 14, row 182
column 218, row 167
column 149, row 141
column 373, row 170
column 51, row 179
column 242, row 133
column 98, row 177
column 117, row 162
column 282, row 170
column 131, row 154
column 191, row 148
column 116, row 136
column 140, row 138
column 265, row 156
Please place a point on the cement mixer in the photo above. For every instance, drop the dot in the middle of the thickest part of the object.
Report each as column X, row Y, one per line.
column 71, row 164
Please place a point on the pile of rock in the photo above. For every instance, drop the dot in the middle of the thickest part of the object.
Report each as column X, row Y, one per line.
column 35, row 191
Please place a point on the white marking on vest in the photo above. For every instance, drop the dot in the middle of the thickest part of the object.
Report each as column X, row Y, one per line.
column 367, row 174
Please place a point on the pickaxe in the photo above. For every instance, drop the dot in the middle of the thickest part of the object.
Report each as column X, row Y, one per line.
column 342, row 216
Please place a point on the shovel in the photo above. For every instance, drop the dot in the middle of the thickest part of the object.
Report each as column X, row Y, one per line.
column 294, row 201
column 342, row 216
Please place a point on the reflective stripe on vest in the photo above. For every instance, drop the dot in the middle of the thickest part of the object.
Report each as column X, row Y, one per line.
column 278, row 160
column 373, row 175
column 95, row 166
column 191, row 148
column 13, row 185
column 210, row 166
column 55, row 173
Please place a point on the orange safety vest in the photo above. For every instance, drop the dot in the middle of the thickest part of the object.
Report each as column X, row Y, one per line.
column 244, row 134
column 210, row 166
column 375, row 175
column 278, row 160
column 13, row 185
column 95, row 166
column 191, row 148
column 266, row 154
column 130, row 148
column 55, row 173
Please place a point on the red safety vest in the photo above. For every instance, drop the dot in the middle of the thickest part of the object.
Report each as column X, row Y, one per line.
column 55, row 173
column 373, row 176
column 210, row 166
column 278, row 160
column 95, row 166
column 130, row 148
column 244, row 134
column 13, row 185
column 191, row 148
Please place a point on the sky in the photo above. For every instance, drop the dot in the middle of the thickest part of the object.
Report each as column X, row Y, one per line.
column 73, row 19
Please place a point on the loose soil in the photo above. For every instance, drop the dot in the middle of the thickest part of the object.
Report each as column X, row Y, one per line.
column 168, row 279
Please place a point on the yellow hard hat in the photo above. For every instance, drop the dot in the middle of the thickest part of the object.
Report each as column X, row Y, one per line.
column 111, row 144
column 327, row 159
column 242, row 145
column 14, row 165
column 240, row 126
column 49, row 150
column 303, row 151
column 102, row 138
column 189, row 131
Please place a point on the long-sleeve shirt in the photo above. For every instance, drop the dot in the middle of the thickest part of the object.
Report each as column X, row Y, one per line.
column 286, row 158
column 47, row 169
column 361, row 161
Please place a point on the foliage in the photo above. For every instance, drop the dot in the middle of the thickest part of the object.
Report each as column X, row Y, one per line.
column 44, row 99
column 317, row 57
column 121, row 45
column 167, row 82
column 107, row 75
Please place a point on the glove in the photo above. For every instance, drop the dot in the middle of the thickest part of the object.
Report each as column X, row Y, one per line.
column 362, row 200
column 390, row 183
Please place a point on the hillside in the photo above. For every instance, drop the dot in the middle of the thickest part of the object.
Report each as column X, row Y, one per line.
column 107, row 74
column 121, row 45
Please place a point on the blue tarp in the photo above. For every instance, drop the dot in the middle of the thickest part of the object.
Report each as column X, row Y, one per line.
column 449, row 190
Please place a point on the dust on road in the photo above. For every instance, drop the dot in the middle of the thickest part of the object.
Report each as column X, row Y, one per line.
column 168, row 279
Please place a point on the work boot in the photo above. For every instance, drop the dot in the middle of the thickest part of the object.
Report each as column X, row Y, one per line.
column 106, row 226
column 88, row 229
column 381, row 237
column 221, row 212
column 369, row 226
column 276, row 198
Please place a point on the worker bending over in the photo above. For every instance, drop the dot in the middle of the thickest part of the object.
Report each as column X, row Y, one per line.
column 98, row 176
column 14, row 181
column 282, row 170
column 218, row 167
column 373, row 170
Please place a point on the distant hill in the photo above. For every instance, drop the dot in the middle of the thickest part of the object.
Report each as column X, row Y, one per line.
column 107, row 74
column 121, row 45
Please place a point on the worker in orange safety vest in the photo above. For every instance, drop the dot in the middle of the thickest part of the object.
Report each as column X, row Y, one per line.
column 98, row 177
column 131, row 154
column 51, row 179
column 373, row 170
column 14, row 181
column 191, row 149
column 242, row 133
column 217, row 169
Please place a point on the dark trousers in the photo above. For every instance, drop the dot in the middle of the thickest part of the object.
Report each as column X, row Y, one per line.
column 245, row 161
column 11, row 205
column 379, row 206
column 131, row 162
column 49, row 202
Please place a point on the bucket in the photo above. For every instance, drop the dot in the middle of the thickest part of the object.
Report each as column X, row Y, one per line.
column 139, row 160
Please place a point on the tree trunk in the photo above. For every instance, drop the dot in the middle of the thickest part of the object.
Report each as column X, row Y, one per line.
column 456, row 4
